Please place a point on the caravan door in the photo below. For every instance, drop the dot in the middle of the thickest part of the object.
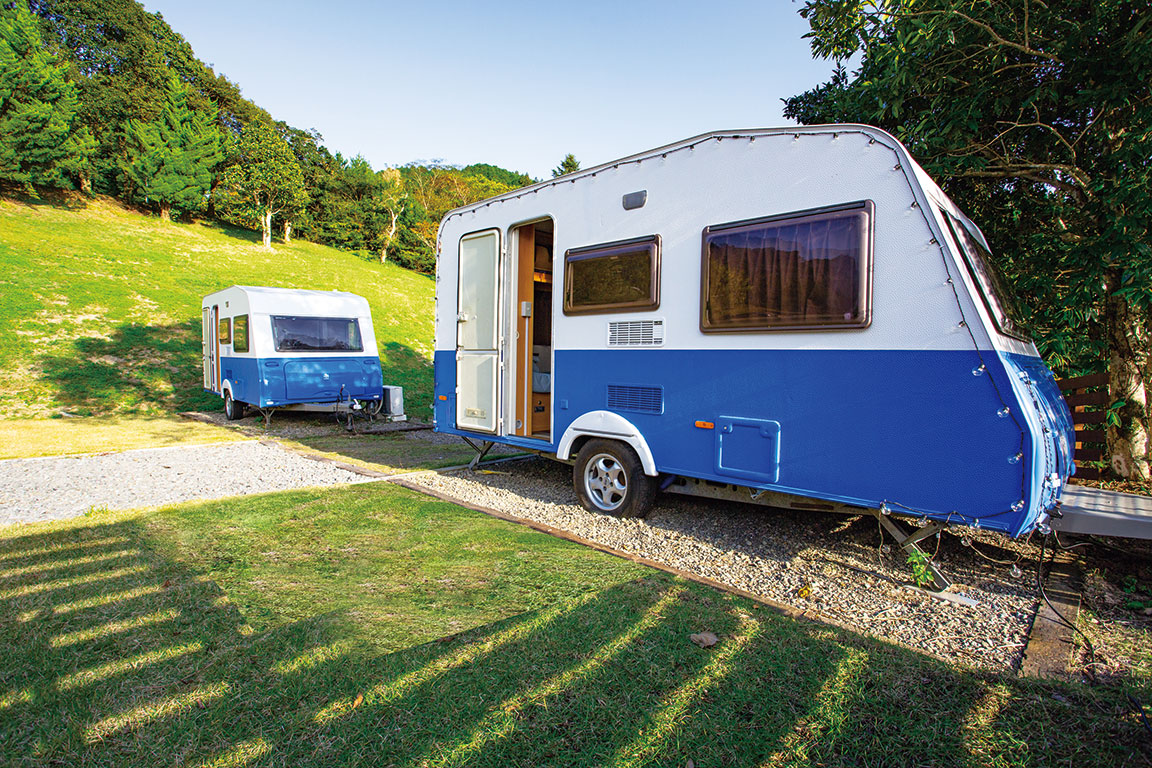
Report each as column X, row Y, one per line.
column 208, row 341
column 477, row 352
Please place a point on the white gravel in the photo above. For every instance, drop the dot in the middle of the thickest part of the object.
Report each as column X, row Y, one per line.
column 832, row 565
column 56, row 488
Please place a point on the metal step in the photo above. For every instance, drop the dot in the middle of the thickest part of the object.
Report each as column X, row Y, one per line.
column 1107, row 513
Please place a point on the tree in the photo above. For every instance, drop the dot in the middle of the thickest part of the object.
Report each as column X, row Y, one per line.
column 388, row 202
column 41, row 137
column 120, row 58
column 266, row 179
column 1039, row 117
column 568, row 165
column 511, row 179
column 171, row 158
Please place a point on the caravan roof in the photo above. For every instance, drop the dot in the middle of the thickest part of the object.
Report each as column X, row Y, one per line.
column 298, row 301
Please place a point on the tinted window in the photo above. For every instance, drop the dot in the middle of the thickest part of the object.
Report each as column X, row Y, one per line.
column 994, row 287
column 797, row 271
column 224, row 330
column 615, row 277
column 240, row 333
column 315, row 334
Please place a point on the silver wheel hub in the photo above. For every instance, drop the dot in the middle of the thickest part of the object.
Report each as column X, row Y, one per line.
column 605, row 482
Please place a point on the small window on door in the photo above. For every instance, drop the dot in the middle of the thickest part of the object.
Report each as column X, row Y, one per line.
column 224, row 330
column 613, row 277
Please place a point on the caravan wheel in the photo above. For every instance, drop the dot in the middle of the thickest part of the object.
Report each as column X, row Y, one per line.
column 233, row 409
column 609, row 478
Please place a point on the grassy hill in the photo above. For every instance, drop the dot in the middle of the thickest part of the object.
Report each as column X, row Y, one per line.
column 100, row 306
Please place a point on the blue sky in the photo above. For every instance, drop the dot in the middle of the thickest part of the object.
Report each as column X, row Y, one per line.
column 516, row 84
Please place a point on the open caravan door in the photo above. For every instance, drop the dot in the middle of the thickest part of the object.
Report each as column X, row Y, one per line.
column 477, row 355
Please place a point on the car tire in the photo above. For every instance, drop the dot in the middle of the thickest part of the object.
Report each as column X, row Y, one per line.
column 233, row 409
column 610, row 479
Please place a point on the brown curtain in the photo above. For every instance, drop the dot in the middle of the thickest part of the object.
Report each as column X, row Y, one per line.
column 801, row 272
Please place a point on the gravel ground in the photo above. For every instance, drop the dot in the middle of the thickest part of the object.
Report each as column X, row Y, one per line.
column 294, row 425
column 834, row 565
column 56, row 488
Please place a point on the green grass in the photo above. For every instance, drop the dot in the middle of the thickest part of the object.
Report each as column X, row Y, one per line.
column 297, row 629
column 101, row 306
column 22, row 438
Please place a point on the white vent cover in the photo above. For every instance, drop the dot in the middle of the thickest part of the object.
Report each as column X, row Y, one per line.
column 635, row 333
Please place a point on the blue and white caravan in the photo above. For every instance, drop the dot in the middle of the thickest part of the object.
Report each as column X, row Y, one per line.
column 797, row 315
column 272, row 348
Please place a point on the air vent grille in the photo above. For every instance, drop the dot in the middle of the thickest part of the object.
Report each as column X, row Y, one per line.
column 623, row 397
column 635, row 333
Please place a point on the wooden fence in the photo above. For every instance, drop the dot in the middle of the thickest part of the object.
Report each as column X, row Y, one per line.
column 1087, row 398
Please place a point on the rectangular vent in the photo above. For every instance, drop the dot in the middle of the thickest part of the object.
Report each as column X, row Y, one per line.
column 622, row 397
column 635, row 333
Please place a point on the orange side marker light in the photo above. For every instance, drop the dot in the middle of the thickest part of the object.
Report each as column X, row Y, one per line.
column 705, row 425
column 443, row 397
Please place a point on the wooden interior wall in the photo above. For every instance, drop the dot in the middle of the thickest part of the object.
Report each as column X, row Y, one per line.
column 526, row 254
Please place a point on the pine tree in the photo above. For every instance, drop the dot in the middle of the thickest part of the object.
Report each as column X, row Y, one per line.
column 171, row 158
column 267, row 179
column 41, row 138
column 568, row 165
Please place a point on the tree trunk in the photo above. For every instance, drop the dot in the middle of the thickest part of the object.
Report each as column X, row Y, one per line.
column 1127, row 365
column 85, row 182
column 287, row 231
column 391, row 234
column 166, row 211
column 210, row 212
column 266, row 228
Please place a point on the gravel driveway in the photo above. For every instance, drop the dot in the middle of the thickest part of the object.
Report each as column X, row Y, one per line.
column 55, row 488
column 833, row 565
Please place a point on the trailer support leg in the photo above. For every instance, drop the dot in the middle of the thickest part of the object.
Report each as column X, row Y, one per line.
column 267, row 414
column 910, row 542
column 481, row 449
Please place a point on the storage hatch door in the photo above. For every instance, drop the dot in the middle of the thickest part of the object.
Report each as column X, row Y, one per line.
column 748, row 449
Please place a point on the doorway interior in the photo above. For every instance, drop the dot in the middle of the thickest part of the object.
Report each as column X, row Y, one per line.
column 532, row 377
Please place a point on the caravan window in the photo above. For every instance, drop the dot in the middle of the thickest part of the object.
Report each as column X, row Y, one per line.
column 317, row 334
column 994, row 288
column 613, row 277
column 240, row 333
column 224, row 330
column 805, row 270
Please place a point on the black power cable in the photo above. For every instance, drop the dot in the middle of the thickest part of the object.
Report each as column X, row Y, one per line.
column 1044, row 594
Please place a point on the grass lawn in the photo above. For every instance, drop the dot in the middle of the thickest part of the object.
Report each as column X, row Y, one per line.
column 370, row 625
column 102, row 306
column 23, row 438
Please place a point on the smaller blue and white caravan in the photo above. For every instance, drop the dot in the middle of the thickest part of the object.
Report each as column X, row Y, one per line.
column 797, row 316
column 275, row 348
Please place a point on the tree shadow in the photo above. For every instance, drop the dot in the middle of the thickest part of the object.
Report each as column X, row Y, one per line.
column 135, row 368
column 50, row 197
column 235, row 231
column 112, row 654
column 139, row 368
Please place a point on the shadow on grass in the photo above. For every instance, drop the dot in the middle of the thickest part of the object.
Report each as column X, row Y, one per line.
column 136, row 368
column 64, row 199
column 159, row 368
column 115, row 655
column 235, row 231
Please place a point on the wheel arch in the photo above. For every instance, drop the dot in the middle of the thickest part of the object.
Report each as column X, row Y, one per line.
column 609, row 426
